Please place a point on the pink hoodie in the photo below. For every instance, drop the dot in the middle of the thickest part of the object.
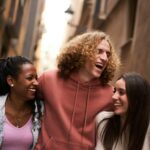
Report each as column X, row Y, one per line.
column 70, row 110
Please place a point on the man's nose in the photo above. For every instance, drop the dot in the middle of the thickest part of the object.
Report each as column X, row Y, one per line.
column 104, row 57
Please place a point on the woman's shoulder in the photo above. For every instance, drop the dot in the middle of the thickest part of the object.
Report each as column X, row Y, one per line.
column 3, row 99
column 148, row 130
column 146, row 145
column 103, row 115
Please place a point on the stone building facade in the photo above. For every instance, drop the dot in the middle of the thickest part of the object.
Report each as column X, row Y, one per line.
column 20, row 27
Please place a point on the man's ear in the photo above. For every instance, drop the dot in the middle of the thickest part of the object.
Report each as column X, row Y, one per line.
column 10, row 80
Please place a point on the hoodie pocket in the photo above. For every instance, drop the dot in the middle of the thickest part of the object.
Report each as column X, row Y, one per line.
column 55, row 144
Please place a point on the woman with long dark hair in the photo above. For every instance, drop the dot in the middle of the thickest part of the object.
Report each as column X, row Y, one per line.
column 20, row 111
column 127, row 128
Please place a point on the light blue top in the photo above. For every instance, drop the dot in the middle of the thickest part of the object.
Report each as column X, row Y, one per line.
column 36, row 122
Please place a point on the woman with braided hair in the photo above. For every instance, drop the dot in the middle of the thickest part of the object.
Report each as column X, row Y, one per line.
column 20, row 111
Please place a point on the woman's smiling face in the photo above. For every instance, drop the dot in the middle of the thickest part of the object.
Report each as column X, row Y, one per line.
column 120, row 99
column 25, row 85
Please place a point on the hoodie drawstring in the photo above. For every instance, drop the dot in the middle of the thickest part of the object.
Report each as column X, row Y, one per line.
column 86, row 110
column 73, row 113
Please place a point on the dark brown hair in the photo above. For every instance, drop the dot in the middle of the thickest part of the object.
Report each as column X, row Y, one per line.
column 137, row 116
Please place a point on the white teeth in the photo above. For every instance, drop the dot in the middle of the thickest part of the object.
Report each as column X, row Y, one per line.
column 117, row 103
column 98, row 65
column 32, row 90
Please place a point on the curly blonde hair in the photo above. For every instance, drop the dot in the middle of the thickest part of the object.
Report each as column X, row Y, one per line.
column 74, row 54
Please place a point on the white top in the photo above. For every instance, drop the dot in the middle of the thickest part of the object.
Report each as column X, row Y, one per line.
column 119, row 146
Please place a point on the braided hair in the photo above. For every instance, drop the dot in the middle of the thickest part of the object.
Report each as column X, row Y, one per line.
column 12, row 66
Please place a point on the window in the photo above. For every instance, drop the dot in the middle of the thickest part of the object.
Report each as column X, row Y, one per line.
column 104, row 7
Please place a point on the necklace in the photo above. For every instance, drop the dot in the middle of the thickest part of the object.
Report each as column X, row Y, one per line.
column 18, row 122
column 18, row 119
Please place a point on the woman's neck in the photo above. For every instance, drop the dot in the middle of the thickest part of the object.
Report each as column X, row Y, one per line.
column 18, row 111
column 17, row 103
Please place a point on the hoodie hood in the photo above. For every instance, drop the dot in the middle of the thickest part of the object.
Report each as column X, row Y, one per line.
column 76, row 79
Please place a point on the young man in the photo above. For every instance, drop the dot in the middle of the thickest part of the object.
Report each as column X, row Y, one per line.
column 76, row 92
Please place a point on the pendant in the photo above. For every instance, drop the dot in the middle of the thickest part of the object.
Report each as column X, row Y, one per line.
column 17, row 126
column 18, row 121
